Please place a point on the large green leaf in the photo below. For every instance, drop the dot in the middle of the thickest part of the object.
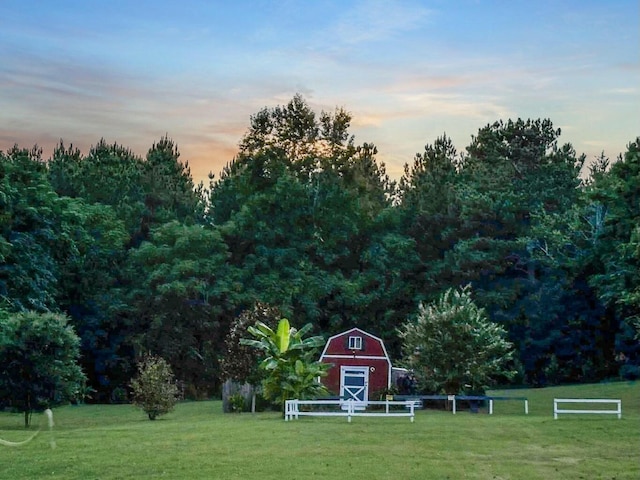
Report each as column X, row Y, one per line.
column 283, row 335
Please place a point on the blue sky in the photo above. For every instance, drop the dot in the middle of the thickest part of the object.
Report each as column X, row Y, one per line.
column 408, row 71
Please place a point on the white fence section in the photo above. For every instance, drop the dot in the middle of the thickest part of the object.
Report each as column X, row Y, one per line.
column 557, row 411
column 348, row 409
column 453, row 399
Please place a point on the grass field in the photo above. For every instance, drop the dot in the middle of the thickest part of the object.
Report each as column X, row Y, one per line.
column 197, row 441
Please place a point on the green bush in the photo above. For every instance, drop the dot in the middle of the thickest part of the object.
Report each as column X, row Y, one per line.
column 154, row 389
column 453, row 347
column 236, row 403
column 630, row 372
column 119, row 395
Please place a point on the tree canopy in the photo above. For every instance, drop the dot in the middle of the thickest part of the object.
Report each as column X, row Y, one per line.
column 452, row 347
column 305, row 221
column 38, row 361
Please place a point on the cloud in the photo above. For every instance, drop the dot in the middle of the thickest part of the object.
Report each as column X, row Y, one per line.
column 378, row 20
column 623, row 91
column 595, row 143
column 197, row 74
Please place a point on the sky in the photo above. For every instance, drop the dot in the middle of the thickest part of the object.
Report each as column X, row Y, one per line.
column 408, row 71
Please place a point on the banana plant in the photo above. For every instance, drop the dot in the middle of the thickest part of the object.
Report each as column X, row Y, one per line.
column 290, row 361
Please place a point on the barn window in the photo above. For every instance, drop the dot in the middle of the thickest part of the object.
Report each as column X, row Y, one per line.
column 355, row 343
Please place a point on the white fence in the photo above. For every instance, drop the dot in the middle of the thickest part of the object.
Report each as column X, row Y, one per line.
column 558, row 401
column 453, row 399
column 348, row 409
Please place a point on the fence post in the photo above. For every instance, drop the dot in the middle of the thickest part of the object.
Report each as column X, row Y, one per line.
column 452, row 399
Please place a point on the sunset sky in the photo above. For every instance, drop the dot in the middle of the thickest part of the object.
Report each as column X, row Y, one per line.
column 408, row 71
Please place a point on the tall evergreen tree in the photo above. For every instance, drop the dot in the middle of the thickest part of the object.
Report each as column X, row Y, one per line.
column 169, row 190
column 305, row 214
column 33, row 242
column 179, row 285
column 618, row 281
column 430, row 210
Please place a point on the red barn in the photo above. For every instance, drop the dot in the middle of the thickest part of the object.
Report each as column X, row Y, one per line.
column 361, row 366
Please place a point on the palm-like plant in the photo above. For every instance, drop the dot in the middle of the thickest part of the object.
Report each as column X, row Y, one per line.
column 289, row 361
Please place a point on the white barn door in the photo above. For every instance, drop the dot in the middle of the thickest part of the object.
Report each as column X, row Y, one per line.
column 354, row 385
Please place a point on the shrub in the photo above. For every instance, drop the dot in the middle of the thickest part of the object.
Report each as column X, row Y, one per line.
column 236, row 403
column 453, row 346
column 119, row 395
column 154, row 389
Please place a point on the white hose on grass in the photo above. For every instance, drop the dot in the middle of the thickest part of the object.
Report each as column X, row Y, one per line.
column 52, row 441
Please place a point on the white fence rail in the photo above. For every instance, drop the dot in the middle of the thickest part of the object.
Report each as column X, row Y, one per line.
column 558, row 401
column 348, row 409
column 453, row 399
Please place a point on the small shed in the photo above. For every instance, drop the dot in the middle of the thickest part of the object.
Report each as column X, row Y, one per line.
column 361, row 368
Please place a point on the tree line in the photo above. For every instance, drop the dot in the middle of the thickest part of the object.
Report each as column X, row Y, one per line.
column 307, row 222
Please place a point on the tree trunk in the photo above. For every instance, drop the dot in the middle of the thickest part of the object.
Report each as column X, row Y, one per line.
column 27, row 411
column 27, row 418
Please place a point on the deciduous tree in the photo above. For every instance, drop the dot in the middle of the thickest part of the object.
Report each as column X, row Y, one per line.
column 179, row 288
column 453, row 347
column 38, row 361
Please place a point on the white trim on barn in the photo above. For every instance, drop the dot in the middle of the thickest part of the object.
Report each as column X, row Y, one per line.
column 355, row 342
column 365, row 357
column 362, row 332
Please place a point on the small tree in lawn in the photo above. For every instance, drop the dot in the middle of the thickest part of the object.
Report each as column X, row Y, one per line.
column 38, row 361
column 154, row 389
column 452, row 346
column 290, row 363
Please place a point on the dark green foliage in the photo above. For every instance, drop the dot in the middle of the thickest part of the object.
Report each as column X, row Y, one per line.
column 485, row 218
column 617, row 279
column 169, row 191
column 311, row 229
column 179, row 281
column 38, row 361
column 123, row 199
column 29, row 232
column 109, row 175
column 240, row 362
column 89, row 293
column 306, row 221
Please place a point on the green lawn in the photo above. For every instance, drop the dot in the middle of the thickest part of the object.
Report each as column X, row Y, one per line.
column 197, row 441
